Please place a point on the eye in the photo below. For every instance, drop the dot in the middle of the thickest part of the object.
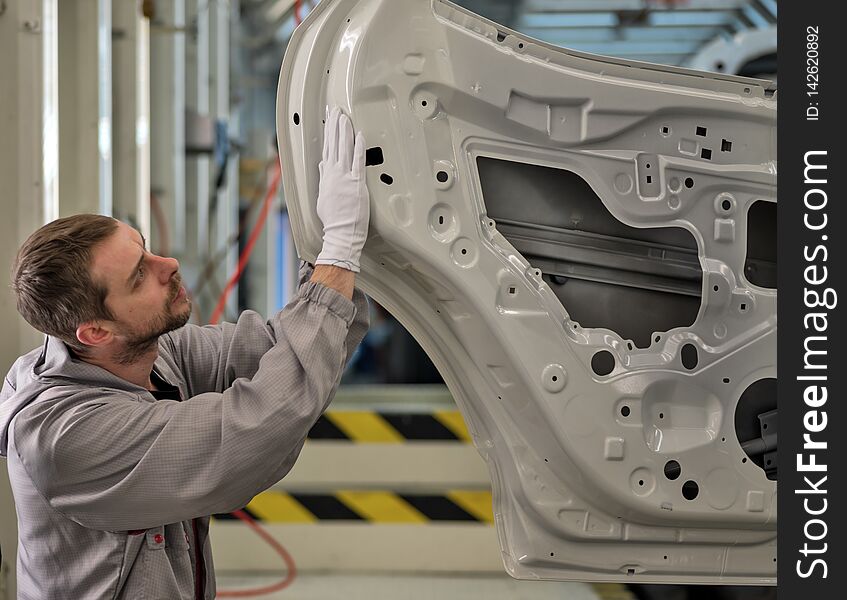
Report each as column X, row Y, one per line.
column 140, row 275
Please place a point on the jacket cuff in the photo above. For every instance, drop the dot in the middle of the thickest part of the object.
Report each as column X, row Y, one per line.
column 325, row 296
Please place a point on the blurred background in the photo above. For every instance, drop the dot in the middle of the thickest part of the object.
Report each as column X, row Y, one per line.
column 162, row 114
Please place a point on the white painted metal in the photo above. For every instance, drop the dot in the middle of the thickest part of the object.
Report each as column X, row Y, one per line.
column 579, row 491
column 361, row 547
column 131, row 115
column 728, row 55
column 381, row 586
column 85, row 106
column 167, row 120
column 29, row 194
column 226, row 219
column 197, row 97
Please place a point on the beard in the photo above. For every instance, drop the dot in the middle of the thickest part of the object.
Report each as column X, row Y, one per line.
column 141, row 342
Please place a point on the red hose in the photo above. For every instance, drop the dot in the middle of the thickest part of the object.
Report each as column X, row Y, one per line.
column 216, row 315
column 248, row 248
column 289, row 562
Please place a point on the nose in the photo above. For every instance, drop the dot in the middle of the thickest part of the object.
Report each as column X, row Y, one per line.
column 167, row 268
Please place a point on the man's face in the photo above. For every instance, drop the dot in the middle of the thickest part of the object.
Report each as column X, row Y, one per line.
column 145, row 294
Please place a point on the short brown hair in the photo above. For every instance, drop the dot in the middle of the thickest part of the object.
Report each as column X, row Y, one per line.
column 52, row 280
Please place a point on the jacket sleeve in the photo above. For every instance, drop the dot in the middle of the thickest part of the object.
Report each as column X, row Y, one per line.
column 210, row 358
column 109, row 461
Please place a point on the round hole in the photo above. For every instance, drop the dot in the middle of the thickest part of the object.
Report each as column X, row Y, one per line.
column 296, row 119
column 672, row 469
column 690, row 489
column 716, row 288
column 648, row 165
column 625, row 411
column 555, row 378
column 689, row 356
column 746, row 90
column 764, row 425
column 520, row 45
column 723, row 439
column 552, row 554
column 640, row 482
column 386, row 179
column 464, row 250
column 689, row 182
column 657, row 338
column 629, row 345
column 726, row 205
column 666, row 557
column 661, row 415
column 442, row 176
column 726, row 379
column 603, row 363
column 744, row 460
column 719, row 66
column 423, row 102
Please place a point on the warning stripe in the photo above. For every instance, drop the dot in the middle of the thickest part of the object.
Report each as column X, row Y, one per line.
column 613, row 591
column 390, row 428
column 371, row 506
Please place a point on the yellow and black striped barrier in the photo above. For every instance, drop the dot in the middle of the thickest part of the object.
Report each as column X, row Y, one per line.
column 373, row 427
column 377, row 506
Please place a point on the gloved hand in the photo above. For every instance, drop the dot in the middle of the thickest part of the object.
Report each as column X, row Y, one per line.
column 343, row 205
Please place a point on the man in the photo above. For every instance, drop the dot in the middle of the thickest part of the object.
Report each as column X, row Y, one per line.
column 128, row 428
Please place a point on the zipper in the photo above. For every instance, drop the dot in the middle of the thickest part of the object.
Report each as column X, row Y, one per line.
column 199, row 565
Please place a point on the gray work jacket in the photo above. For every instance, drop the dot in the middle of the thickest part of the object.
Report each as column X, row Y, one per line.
column 113, row 488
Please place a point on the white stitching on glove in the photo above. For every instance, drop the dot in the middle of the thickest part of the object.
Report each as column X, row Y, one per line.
column 343, row 206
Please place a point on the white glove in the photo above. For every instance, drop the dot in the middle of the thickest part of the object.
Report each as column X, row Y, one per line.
column 343, row 205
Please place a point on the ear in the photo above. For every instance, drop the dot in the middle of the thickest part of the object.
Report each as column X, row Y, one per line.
column 94, row 334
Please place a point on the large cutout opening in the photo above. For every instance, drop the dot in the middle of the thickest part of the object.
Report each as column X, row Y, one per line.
column 756, row 425
column 760, row 264
column 605, row 273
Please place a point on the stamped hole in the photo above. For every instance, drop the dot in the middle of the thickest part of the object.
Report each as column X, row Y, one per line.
column 657, row 338
column 672, row 469
column 386, row 179
column 513, row 290
column 500, row 36
column 442, row 176
column 296, row 119
column 743, row 306
column 726, row 379
column 706, row 153
column 701, row 131
column 603, row 363
column 689, row 356
column 441, row 219
column 726, row 146
column 374, row 156
column 744, row 460
column 690, row 490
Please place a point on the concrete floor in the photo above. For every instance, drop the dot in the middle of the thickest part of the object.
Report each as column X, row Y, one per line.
column 330, row 586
